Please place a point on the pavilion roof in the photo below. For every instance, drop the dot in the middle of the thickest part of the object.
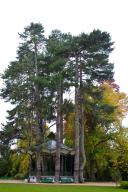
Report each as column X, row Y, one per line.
column 51, row 145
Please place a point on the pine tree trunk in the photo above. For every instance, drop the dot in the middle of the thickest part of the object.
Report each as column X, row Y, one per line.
column 61, row 126
column 42, row 128
column 42, row 165
column 38, row 118
column 38, row 155
column 30, row 143
column 82, row 144
column 57, row 161
column 61, row 113
column 59, row 129
column 38, row 164
column 92, row 161
column 76, row 160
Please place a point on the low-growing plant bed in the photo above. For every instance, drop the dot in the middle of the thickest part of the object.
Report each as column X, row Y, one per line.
column 124, row 184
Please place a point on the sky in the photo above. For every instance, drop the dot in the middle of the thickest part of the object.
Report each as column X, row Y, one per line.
column 74, row 16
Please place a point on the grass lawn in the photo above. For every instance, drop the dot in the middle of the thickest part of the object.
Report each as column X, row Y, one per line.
column 41, row 188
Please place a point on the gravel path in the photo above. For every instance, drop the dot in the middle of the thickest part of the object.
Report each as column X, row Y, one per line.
column 82, row 184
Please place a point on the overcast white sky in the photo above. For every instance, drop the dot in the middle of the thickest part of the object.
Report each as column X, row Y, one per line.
column 73, row 16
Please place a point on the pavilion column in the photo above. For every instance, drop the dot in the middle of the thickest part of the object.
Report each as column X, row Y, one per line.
column 62, row 165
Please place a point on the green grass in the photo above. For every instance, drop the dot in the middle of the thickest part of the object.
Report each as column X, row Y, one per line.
column 53, row 188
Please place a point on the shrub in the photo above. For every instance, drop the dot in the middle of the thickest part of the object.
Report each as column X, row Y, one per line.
column 19, row 176
column 124, row 184
column 116, row 176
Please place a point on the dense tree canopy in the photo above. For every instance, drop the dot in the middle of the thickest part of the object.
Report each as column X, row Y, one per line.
column 37, row 84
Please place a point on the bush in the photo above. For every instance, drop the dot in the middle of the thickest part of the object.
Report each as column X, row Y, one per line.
column 116, row 176
column 4, row 166
column 19, row 176
column 124, row 184
column 6, row 178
